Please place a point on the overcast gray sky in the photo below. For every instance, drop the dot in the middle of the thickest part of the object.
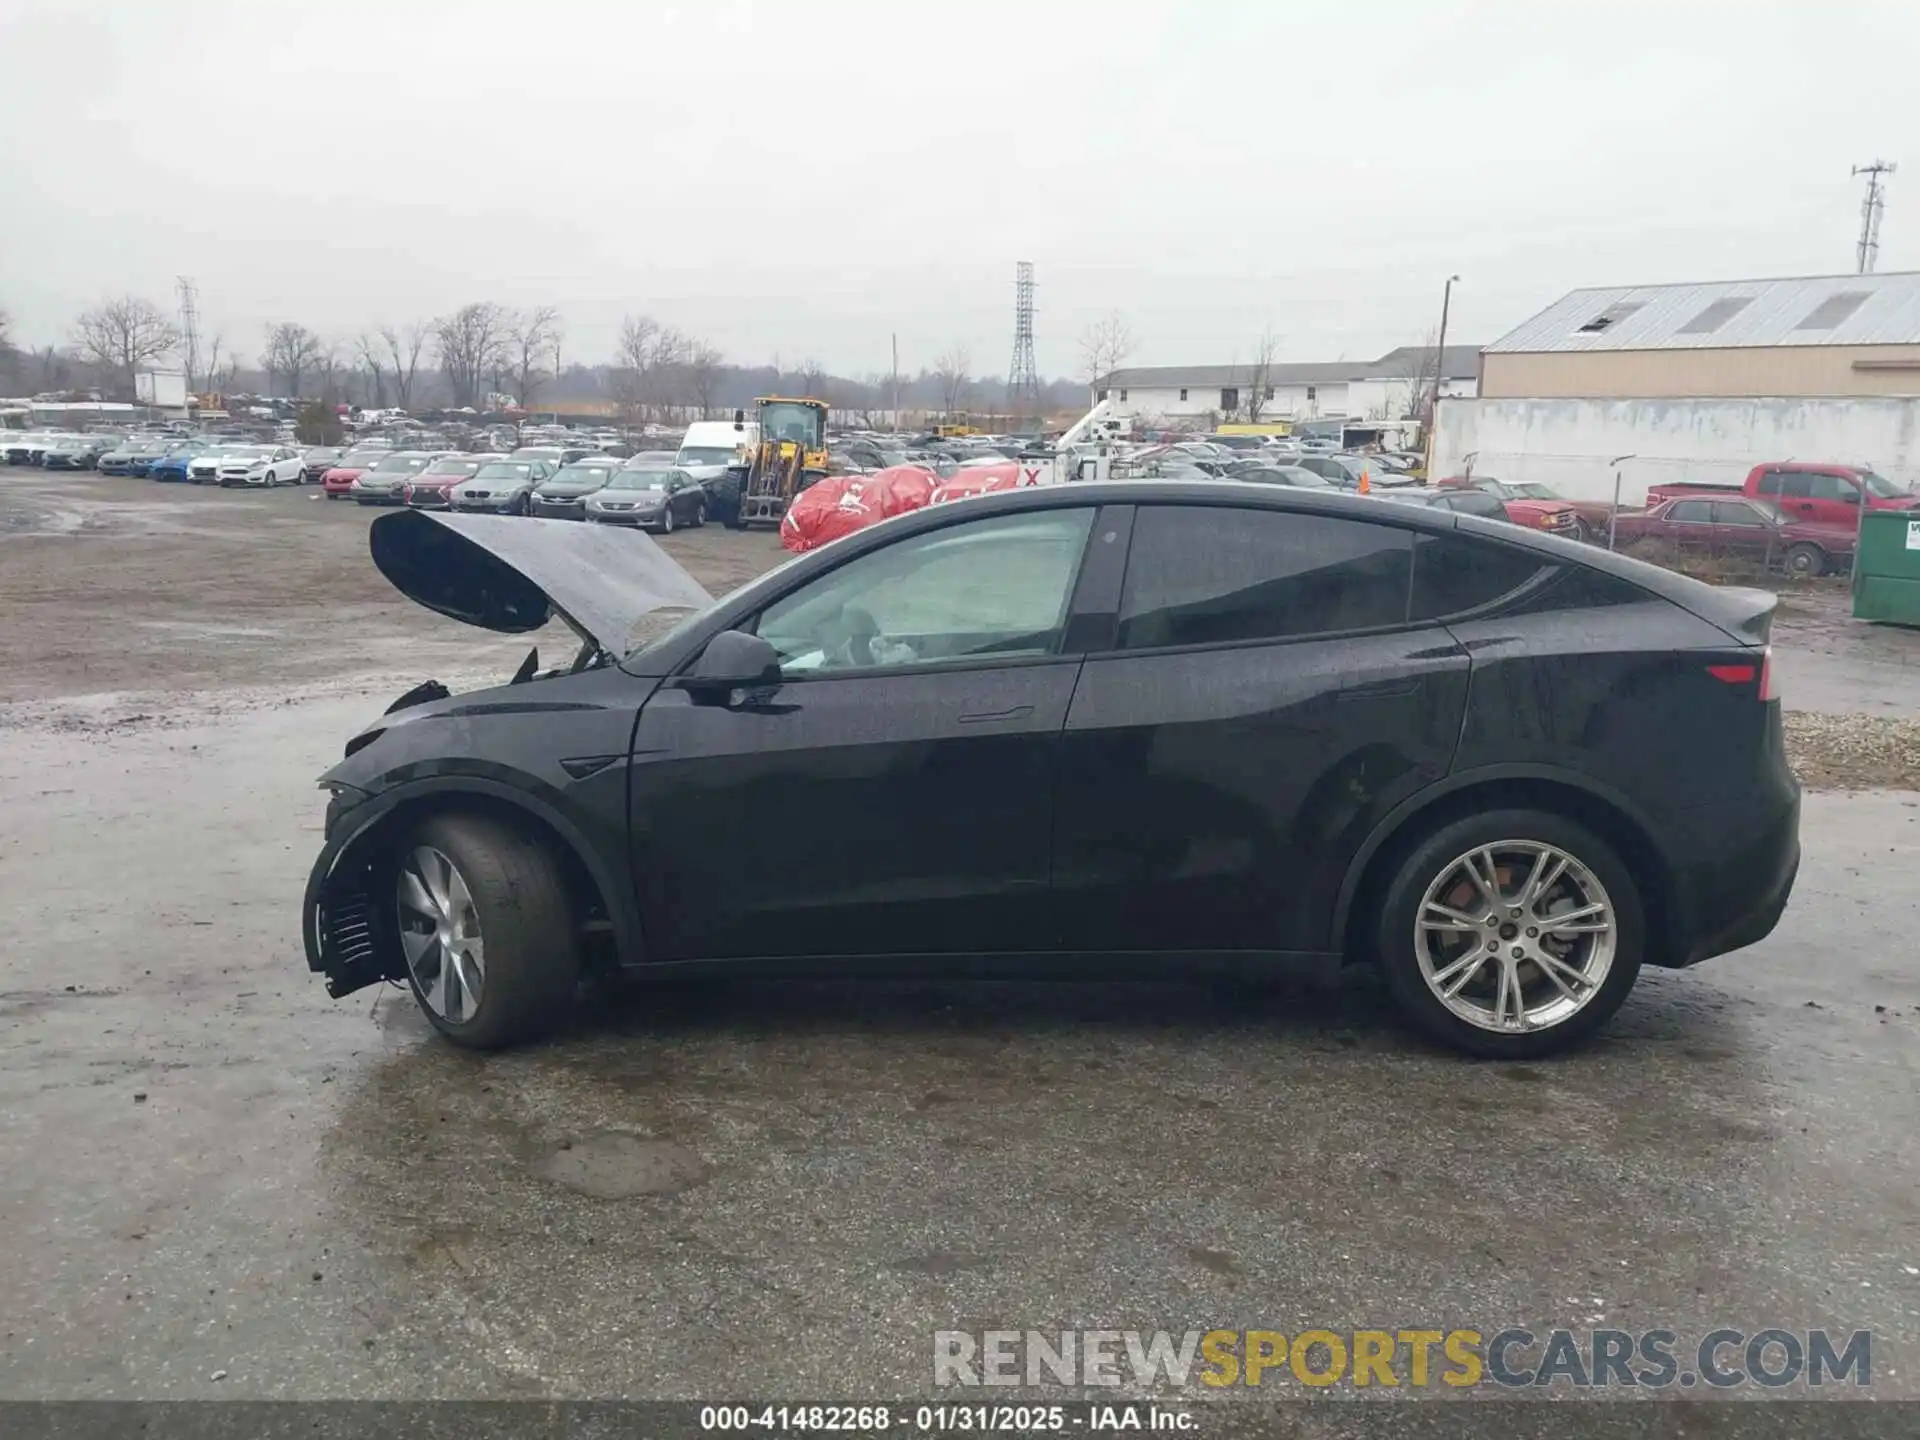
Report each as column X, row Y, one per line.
column 807, row 177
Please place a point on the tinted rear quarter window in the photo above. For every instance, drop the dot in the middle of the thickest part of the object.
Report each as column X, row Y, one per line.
column 1203, row 574
column 1453, row 574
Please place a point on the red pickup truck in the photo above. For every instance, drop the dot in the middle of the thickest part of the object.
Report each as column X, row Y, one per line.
column 1823, row 494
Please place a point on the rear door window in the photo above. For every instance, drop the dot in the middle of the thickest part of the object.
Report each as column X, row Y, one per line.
column 1692, row 512
column 1207, row 574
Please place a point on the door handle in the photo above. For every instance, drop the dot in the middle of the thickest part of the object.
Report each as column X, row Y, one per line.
column 984, row 717
column 1380, row 690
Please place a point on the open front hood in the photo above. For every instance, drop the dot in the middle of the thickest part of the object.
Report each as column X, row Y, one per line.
column 512, row 575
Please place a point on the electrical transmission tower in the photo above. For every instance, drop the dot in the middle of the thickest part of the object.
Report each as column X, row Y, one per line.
column 1023, row 376
column 190, row 329
column 1868, row 250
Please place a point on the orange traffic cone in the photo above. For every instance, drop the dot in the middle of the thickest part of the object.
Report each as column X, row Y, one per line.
column 1364, row 486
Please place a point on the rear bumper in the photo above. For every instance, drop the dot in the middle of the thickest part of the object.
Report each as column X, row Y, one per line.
column 1734, row 888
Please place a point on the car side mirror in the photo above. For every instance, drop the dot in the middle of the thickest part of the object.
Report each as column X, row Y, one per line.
column 733, row 659
column 1852, row 497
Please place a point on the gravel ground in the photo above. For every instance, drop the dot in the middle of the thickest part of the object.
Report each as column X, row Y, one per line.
column 1854, row 752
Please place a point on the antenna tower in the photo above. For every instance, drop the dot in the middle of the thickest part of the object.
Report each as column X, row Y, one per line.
column 190, row 329
column 1023, row 375
column 1868, row 250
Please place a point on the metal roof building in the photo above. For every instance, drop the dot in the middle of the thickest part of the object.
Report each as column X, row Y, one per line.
column 1826, row 335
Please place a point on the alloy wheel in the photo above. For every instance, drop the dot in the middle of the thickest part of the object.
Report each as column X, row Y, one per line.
column 1515, row 936
column 440, row 933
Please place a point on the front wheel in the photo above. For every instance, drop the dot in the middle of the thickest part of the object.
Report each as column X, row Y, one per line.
column 1510, row 934
column 699, row 514
column 1806, row 562
column 666, row 521
column 486, row 931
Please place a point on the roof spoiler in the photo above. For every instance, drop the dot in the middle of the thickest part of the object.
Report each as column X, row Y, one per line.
column 1745, row 613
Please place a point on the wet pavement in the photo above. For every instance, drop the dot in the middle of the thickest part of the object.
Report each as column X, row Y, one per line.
column 208, row 1169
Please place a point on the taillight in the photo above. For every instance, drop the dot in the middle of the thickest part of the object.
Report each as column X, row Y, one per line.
column 1747, row 674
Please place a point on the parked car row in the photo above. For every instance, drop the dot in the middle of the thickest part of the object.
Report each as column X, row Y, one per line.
column 648, row 490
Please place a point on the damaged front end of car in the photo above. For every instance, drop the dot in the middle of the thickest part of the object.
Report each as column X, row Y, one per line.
column 493, row 750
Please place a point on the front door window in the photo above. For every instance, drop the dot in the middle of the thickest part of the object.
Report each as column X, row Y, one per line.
column 994, row 589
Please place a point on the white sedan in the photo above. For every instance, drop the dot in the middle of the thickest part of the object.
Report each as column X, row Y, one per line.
column 264, row 465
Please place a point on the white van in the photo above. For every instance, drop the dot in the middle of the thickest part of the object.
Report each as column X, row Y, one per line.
column 712, row 445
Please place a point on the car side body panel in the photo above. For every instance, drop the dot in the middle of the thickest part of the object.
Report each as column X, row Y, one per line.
column 1215, row 797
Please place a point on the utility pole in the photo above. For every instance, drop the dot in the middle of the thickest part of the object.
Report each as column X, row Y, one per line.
column 896, row 382
column 190, row 328
column 1868, row 250
column 1439, row 373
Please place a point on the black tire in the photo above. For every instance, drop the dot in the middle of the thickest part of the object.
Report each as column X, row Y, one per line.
column 1424, row 860
column 666, row 520
column 527, row 925
column 699, row 514
column 1806, row 561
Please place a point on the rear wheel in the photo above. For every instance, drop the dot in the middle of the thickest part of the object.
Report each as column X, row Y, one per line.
column 1807, row 562
column 1511, row 934
column 486, row 931
column 699, row 514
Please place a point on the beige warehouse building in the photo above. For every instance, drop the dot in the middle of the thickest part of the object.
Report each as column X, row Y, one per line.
column 1808, row 337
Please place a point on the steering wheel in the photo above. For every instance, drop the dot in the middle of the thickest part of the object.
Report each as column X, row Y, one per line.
column 859, row 630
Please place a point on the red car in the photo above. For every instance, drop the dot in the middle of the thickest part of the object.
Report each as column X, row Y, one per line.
column 338, row 478
column 1740, row 526
column 1539, row 508
column 432, row 487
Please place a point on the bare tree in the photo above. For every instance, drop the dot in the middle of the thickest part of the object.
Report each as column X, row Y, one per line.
column 122, row 334
column 223, row 378
column 329, row 371
column 1425, row 388
column 953, row 373
column 9, row 352
column 370, row 354
column 208, row 377
column 813, row 379
column 470, row 344
column 1264, row 350
column 704, row 366
column 1104, row 345
column 533, row 335
column 873, row 391
column 404, row 348
column 292, row 351
column 652, row 362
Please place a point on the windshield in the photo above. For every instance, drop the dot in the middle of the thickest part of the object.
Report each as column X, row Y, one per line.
column 588, row 475
column 788, row 421
column 405, row 464
column 362, row 458
column 504, row 470
column 640, row 480
column 460, row 468
column 1879, row 486
column 1533, row 490
column 704, row 455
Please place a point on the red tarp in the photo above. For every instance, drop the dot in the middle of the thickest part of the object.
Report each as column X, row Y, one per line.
column 842, row 504
column 982, row 480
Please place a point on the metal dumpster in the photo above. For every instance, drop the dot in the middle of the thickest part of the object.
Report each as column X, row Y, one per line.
column 1886, row 575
